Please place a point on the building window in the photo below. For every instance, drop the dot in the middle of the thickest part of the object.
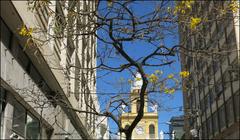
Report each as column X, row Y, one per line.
column 24, row 124
column 204, row 131
column 19, row 115
column 202, row 105
column 229, row 109
column 222, row 117
column 236, row 103
column 2, row 106
column 231, row 40
column 218, row 88
column 226, row 80
column 215, row 122
column 32, row 128
column 211, row 96
column 235, row 72
column 151, row 131
column 209, row 125
column 207, row 101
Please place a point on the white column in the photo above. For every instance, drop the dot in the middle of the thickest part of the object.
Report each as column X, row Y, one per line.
column 7, row 121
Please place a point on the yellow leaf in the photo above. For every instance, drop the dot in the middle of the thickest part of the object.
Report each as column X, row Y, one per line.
column 169, row 91
column 234, row 7
column 153, row 78
column 25, row 32
column 130, row 81
column 184, row 74
column 170, row 76
column 194, row 22
column 183, row 6
column 158, row 72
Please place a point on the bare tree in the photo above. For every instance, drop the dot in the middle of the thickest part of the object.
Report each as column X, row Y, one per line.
column 116, row 24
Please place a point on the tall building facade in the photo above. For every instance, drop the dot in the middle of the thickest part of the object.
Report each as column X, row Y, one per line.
column 147, row 128
column 41, row 86
column 211, row 98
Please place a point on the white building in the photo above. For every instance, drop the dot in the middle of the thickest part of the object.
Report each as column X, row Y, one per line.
column 38, row 86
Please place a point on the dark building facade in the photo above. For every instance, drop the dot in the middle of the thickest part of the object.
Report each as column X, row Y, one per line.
column 176, row 127
column 211, row 101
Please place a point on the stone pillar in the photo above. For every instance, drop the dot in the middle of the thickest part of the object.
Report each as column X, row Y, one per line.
column 7, row 121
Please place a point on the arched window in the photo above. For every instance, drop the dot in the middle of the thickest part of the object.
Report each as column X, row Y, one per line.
column 138, row 105
column 151, row 131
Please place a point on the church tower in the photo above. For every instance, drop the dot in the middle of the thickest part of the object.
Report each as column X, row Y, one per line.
column 147, row 128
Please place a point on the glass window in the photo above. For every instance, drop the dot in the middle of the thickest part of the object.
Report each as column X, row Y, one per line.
column 230, row 115
column 215, row 122
column 204, row 131
column 202, row 105
column 207, row 101
column 32, row 128
column 226, row 80
column 236, row 103
column 209, row 125
column 231, row 39
column 211, row 96
column 222, row 117
column 19, row 115
column 2, row 106
column 152, row 131
column 235, row 74
column 218, row 88
column 2, row 99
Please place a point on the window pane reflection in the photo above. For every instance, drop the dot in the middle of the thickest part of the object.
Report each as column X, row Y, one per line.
column 19, row 119
column 32, row 128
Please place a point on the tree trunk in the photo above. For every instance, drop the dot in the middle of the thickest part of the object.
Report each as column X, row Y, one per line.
column 128, row 135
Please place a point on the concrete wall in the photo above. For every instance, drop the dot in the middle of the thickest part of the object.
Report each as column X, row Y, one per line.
column 17, row 81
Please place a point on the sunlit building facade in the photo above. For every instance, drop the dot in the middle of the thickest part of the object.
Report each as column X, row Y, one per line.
column 40, row 85
column 211, row 94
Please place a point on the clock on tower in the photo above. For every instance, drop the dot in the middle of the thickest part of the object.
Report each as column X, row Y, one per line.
column 147, row 128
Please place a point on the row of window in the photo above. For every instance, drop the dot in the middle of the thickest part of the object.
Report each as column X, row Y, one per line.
column 222, row 118
column 18, row 53
column 24, row 123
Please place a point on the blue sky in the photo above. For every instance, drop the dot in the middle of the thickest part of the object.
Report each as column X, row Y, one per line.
column 109, row 84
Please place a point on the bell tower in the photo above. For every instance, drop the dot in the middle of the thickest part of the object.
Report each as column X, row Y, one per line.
column 135, row 94
column 147, row 128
